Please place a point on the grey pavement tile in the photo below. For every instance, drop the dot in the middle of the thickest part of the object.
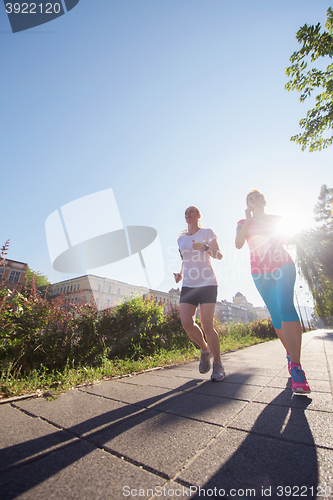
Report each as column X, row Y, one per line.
column 250, row 378
column 314, row 368
column 187, row 370
column 23, row 438
column 291, row 424
column 212, row 409
column 316, row 375
column 319, row 401
column 168, row 381
column 241, row 460
column 316, row 385
column 271, row 367
column 231, row 367
column 312, row 357
column 312, row 353
column 227, row 389
column 257, row 370
column 141, row 395
column 79, row 472
column 330, row 363
column 162, row 441
column 79, row 412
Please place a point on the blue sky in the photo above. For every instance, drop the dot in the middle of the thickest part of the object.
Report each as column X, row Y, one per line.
column 170, row 103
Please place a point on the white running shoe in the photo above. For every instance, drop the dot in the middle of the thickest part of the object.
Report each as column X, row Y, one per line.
column 204, row 365
column 218, row 372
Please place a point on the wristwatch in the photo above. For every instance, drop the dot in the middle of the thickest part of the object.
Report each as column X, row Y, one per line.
column 206, row 247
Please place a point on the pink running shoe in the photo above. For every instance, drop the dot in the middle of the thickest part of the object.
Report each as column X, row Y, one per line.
column 298, row 381
column 288, row 359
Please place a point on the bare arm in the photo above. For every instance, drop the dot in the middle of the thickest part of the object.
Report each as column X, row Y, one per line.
column 241, row 231
column 213, row 250
column 179, row 276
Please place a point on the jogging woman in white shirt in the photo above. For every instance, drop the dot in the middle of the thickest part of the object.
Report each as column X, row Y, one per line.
column 196, row 247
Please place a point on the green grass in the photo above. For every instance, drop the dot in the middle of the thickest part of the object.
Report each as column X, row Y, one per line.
column 51, row 383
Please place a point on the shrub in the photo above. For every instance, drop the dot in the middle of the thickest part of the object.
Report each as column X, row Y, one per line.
column 263, row 329
column 37, row 333
column 34, row 331
column 132, row 328
column 173, row 334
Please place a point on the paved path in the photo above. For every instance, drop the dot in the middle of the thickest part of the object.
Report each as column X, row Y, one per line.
column 172, row 433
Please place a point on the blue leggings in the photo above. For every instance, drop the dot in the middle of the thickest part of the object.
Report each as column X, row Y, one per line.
column 277, row 291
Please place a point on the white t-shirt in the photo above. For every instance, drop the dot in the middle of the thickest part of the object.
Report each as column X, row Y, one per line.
column 198, row 270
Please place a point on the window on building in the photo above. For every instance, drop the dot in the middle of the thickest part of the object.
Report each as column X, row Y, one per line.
column 109, row 289
column 78, row 286
column 74, row 288
column 14, row 276
column 98, row 288
column 71, row 288
column 2, row 272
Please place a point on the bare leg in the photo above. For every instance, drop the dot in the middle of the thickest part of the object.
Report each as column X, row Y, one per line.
column 279, row 333
column 292, row 333
column 187, row 318
column 206, row 316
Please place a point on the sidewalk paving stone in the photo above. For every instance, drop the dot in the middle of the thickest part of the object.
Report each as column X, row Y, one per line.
column 79, row 412
column 242, row 460
column 175, row 429
column 212, row 409
column 79, row 472
column 320, row 401
column 161, row 441
column 131, row 393
column 293, row 424
column 243, row 392
column 23, row 438
column 315, row 385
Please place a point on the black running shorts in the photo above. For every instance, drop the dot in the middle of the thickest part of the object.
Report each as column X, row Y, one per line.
column 198, row 295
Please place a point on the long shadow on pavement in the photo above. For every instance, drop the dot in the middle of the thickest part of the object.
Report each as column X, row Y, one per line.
column 277, row 459
column 41, row 463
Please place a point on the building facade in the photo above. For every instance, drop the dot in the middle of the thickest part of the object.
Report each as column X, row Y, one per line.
column 12, row 274
column 227, row 312
column 262, row 312
column 240, row 300
column 106, row 293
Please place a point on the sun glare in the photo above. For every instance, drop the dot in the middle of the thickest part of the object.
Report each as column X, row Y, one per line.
column 292, row 224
